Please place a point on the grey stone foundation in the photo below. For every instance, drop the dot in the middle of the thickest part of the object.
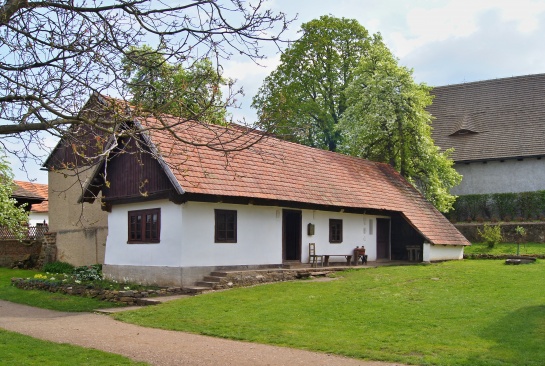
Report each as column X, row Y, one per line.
column 170, row 276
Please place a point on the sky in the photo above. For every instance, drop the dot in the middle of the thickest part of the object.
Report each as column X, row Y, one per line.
column 442, row 41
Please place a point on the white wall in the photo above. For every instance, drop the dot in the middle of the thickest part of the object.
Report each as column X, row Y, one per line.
column 496, row 177
column 37, row 218
column 259, row 236
column 166, row 253
column 187, row 236
column 442, row 252
column 355, row 233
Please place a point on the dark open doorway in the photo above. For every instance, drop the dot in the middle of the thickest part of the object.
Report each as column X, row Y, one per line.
column 291, row 235
column 383, row 238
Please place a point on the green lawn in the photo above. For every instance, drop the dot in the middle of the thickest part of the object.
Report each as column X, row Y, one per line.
column 506, row 248
column 17, row 349
column 451, row 313
column 43, row 299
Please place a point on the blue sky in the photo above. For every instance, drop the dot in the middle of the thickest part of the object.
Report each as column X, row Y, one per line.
column 443, row 41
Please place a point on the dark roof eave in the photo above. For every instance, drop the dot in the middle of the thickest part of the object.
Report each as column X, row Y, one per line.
column 466, row 161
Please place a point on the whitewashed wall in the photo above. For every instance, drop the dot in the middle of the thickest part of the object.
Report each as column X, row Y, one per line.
column 357, row 231
column 527, row 175
column 166, row 253
column 37, row 218
column 259, row 236
column 187, row 236
column 433, row 253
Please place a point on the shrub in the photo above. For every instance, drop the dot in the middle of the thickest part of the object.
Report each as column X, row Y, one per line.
column 88, row 273
column 491, row 235
column 520, row 233
column 58, row 267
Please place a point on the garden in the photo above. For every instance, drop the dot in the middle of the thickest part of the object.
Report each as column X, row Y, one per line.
column 470, row 312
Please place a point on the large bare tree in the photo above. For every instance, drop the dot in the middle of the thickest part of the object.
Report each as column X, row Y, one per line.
column 55, row 54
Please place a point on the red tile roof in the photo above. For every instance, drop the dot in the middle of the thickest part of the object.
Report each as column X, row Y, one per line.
column 279, row 170
column 34, row 191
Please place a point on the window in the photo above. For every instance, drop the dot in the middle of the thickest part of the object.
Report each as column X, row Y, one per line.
column 226, row 226
column 144, row 226
column 335, row 231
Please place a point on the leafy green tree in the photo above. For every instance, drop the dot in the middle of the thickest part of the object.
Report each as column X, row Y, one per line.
column 12, row 216
column 386, row 120
column 303, row 99
column 162, row 87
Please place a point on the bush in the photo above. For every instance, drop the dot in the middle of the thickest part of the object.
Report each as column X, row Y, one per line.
column 58, row 267
column 491, row 235
column 88, row 273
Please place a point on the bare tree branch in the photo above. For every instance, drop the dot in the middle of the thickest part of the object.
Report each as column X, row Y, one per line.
column 54, row 55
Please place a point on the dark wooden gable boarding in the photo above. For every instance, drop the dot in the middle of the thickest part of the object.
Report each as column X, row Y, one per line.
column 134, row 174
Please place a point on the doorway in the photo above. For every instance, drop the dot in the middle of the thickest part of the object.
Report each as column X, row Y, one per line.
column 383, row 238
column 291, row 235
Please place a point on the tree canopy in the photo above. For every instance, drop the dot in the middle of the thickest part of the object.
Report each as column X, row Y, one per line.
column 55, row 54
column 386, row 120
column 303, row 99
column 13, row 217
column 337, row 88
column 157, row 85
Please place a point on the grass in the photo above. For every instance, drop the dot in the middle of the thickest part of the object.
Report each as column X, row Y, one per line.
column 506, row 248
column 17, row 349
column 42, row 299
column 451, row 313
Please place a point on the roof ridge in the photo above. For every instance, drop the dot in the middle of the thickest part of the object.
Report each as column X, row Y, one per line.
column 500, row 79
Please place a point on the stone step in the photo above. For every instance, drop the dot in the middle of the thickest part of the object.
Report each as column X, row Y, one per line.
column 206, row 284
column 212, row 279
column 147, row 301
column 195, row 290
column 218, row 274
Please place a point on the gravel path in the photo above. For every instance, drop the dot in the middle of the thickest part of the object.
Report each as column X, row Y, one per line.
column 157, row 347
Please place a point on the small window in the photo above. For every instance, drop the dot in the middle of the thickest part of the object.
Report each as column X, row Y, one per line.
column 226, row 226
column 335, row 231
column 144, row 226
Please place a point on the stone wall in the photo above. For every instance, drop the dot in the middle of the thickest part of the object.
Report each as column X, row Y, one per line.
column 535, row 231
column 129, row 297
column 23, row 254
column 251, row 278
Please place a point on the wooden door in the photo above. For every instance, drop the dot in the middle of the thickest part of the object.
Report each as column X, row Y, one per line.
column 291, row 234
column 383, row 238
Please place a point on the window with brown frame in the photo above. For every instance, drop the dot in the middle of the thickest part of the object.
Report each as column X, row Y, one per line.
column 225, row 226
column 144, row 226
column 335, row 231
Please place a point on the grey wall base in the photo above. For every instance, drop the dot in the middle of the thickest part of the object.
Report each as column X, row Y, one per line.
column 169, row 276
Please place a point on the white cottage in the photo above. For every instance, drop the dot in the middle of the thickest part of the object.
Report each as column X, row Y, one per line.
column 237, row 199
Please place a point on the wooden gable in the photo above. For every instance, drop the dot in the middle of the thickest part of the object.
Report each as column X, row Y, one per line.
column 133, row 174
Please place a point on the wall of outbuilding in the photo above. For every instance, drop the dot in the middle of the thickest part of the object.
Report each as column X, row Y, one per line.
column 526, row 175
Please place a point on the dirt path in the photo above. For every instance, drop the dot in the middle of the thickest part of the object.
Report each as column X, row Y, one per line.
column 157, row 347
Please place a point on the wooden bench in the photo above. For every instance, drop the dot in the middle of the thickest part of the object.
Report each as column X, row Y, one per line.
column 326, row 258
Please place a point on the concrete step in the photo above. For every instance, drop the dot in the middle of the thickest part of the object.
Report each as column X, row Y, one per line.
column 218, row 274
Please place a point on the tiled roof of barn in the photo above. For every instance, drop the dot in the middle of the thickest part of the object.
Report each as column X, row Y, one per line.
column 274, row 169
column 32, row 191
column 491, row 119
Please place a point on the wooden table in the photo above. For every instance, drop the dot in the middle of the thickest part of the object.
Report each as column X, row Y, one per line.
column 413, row 252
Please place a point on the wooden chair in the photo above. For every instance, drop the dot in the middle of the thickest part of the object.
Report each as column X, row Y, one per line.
column 314, row 258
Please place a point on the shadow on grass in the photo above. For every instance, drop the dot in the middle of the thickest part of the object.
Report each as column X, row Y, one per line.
column 517, row 339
